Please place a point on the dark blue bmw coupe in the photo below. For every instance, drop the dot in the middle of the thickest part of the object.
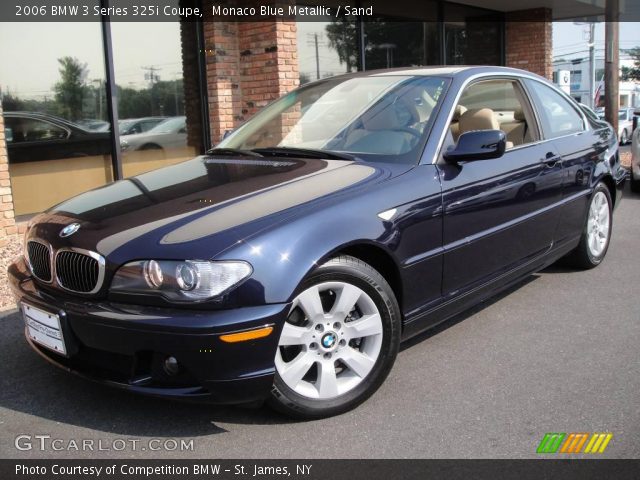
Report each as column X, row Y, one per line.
column 288, row 263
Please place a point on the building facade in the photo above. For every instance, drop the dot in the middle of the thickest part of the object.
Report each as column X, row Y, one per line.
column 579, row 81
column 148, row 95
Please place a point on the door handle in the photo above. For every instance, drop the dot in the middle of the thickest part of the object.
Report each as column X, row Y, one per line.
column 551, row 159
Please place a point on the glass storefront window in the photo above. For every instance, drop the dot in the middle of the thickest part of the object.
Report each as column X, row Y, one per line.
column 409, row 40
column 54, row 106
column 471, row 36
column 326, row 48
column 149, row 72
column 390, row 44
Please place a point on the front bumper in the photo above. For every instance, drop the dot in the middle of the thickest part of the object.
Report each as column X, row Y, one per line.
column 126, row 345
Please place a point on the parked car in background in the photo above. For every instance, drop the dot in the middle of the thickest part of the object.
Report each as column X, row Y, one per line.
column 625, row 124
column 289, row 262
column 35, row 136
column 635, row 161
column 131, row 126
column 169, row 133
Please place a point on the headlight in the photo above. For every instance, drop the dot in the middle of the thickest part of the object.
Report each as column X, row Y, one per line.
column 180, row 280
column 124, row 145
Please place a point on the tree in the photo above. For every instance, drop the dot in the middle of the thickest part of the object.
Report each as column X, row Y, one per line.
column 11, row 103
column 631, row 73
column 343, row 38
column 71, row 89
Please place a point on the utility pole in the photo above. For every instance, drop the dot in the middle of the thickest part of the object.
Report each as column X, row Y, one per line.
column 612, row 63
column 152, row 78
column 175, row 90
column 316, row 40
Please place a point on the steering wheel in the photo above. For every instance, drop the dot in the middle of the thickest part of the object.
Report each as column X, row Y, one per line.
column 408, row 130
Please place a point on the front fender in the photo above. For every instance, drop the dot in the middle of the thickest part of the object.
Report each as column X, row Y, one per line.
column 285, row 254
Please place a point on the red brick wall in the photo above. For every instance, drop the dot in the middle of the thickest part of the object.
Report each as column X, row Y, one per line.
column 249, row 64
column 8, row 225
column 529, row 43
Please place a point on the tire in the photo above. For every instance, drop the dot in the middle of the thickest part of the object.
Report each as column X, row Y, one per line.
column 635, row 184
column 589, row 253
column 353, row 350
column 624, row 137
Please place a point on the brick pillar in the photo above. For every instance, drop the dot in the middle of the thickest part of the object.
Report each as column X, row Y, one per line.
column 8, row 226
column 529, row 41
column 190, row 82
column 249, row 64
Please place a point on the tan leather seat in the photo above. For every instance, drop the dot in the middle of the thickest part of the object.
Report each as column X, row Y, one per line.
column 517, row 131
column 455, row 125
column 479, row 119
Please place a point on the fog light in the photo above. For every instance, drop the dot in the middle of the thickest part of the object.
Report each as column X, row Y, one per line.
column 171, row 366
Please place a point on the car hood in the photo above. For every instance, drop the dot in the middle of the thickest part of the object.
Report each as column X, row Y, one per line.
column 198, row 208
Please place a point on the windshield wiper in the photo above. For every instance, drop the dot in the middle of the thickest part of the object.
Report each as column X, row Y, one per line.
column 232, row 152
column 303, row 153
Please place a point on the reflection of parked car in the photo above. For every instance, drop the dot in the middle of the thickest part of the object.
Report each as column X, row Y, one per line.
column 37, row 136
column 94, row 124
column 170, row 133
column 625, row 124
column 635, row 161
column 132, row 126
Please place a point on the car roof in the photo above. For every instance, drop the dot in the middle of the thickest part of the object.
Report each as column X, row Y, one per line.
column 44, row 116
column 449, row 71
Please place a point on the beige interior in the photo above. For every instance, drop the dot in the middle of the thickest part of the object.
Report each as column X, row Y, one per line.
column 455, row 126
column 516, row 130
column 479, row 119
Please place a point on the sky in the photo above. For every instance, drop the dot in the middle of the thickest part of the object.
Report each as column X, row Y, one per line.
column 570, row 40
column 28, row 57
column 29, row 53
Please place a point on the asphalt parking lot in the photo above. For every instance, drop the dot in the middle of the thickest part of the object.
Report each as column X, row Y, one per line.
column 558, row 353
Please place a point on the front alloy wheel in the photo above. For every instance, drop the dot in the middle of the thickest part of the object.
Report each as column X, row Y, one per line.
column 339, row 341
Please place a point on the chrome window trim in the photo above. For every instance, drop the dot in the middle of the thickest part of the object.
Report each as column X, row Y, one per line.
column 51, row 262
column 509, row 76
column 101, row 269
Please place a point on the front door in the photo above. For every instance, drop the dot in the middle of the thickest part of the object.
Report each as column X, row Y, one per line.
column 498, row 213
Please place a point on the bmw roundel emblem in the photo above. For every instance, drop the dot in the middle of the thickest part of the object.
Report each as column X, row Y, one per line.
column 69, row 230
column 328, row 340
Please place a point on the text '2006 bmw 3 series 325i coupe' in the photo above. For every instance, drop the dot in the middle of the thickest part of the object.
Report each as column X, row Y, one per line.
column 288, row 263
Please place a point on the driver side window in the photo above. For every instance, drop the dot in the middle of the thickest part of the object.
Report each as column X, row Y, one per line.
column 494, row 105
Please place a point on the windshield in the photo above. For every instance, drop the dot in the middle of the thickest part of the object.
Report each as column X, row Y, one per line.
column 374, row 118
column 171, row 125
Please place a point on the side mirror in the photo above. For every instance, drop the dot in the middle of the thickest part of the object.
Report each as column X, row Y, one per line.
column 478, row 145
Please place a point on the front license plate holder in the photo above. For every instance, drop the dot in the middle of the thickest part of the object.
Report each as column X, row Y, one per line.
column 44, row 328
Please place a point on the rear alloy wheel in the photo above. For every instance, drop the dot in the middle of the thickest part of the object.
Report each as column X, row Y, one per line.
column 339, row 341
column 597, row 230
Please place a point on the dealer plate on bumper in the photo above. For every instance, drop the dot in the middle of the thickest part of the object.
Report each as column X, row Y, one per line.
column 44, row 328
